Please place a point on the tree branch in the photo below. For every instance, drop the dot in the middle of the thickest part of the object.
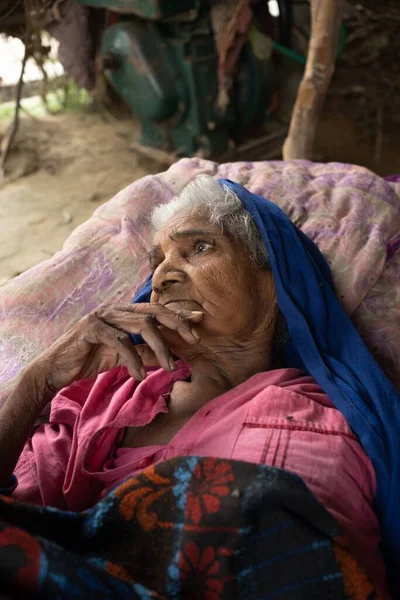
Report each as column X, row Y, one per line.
column 15, row 124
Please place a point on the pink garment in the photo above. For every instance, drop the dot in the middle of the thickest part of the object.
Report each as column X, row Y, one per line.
column 280, row 418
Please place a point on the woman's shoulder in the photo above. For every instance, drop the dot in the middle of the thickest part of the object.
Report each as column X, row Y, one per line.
column 293, row 381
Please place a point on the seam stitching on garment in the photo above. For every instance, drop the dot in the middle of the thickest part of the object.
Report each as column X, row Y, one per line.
column 299, row 428
column 264, row 452
column 285, row 452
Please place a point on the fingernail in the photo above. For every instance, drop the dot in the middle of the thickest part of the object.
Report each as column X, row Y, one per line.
column 143, row 373
column 183, row 312
column 196, row 316
column 195, row 334
column 172, row 364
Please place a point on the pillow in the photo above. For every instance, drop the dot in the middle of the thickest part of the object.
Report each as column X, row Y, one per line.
column 352, row 214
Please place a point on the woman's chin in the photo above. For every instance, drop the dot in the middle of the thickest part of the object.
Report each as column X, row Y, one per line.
column 183, row 350
column 174, row 341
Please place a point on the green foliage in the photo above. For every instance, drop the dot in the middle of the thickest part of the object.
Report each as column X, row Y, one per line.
column 70, row 97
column 66, row 97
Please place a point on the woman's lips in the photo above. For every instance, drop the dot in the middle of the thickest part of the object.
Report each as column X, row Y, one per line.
column 183, row 305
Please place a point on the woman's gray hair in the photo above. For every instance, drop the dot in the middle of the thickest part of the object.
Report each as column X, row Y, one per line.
column 205, row 197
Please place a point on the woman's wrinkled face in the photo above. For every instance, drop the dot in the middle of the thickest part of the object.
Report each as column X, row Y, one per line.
column 196, row 267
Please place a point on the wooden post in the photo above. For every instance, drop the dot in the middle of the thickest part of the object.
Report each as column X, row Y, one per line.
column 325, row 25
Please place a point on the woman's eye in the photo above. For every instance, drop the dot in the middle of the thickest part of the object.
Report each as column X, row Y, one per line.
column 154, row 264
column 202, row 247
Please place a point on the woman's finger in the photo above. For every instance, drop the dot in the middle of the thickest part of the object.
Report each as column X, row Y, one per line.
column 130, row 358
column 99, row 332
column 132, row 317
column 144, row 325
column 153, row 337
column 179, row 321
column 149, row 359
column 148, row 329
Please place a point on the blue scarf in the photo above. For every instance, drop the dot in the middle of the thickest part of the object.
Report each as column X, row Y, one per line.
column 325, row 344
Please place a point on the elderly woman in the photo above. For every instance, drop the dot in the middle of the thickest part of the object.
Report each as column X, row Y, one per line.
column 214, row 373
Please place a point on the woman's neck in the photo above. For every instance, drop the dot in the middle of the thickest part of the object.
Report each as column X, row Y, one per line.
column 220, row 367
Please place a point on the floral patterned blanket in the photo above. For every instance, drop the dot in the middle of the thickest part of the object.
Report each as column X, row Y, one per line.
column 191, row 528
column 352, row 214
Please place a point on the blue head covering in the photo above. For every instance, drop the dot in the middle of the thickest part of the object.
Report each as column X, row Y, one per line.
column 325, row 344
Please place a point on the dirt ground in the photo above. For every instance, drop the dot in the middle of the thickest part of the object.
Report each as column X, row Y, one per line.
column 63, row 167
column 61, row 170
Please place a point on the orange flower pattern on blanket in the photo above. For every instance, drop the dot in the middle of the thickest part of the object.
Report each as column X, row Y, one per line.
column 260, row 534
column 356, row 583
column 201, row 568
column 27, row 570
column 137, row 499
column 118, row 571
column 210, row 485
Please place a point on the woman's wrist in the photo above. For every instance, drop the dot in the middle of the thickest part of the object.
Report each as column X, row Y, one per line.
column 17, row 417
column 34, row 387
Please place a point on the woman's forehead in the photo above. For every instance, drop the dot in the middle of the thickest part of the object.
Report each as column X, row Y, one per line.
column 185, row 225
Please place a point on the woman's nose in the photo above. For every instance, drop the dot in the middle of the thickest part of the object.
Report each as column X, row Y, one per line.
column 164, row 277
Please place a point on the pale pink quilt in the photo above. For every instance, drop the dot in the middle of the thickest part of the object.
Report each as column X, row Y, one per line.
column 352, row 214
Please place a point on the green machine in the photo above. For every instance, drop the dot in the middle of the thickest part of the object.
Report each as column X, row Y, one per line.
column 161, row 58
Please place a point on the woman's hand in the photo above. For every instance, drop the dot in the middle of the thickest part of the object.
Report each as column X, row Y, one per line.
column 99, row 342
